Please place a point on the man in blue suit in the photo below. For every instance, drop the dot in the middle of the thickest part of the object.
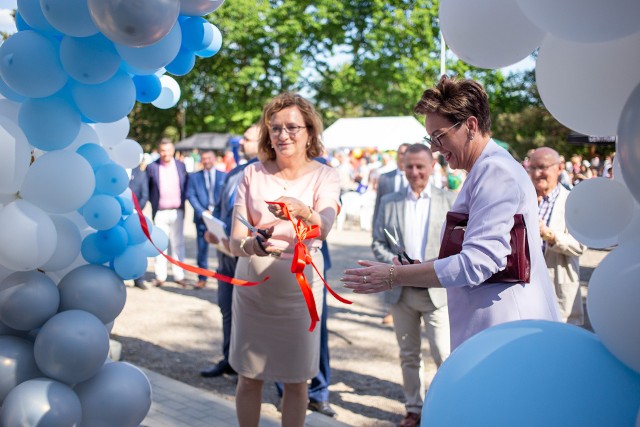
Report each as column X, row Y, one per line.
column 203, row 192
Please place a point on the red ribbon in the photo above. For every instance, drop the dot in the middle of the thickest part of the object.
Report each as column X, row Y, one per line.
column 197, row 270
column 302, row 258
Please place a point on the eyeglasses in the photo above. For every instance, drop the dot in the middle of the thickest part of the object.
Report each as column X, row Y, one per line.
column 541, row 167
column 435, row 140
column 290, row 130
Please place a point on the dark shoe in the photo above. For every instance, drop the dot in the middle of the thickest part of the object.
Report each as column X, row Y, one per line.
column 140, row 284
column 410, row 420
column 182, row 283
column 158, row 282
column 322, row 407
column 218, row 370
column 200, row 285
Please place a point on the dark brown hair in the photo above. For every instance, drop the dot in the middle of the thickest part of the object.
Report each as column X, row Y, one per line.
column 457, row 100
column 311, row 119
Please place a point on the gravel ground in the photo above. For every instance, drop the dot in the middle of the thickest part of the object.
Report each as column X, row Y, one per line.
column 177, row 332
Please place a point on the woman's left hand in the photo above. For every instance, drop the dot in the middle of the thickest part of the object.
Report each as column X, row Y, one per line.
column 296, row 208
column 372, row 278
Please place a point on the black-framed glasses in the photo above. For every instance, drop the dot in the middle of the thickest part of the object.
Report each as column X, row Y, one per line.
column 290, row 130
column 434, row 141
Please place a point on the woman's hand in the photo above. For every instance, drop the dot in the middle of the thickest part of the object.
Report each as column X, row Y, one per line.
column 296, row 208
column 260, row 246
column 373, row 277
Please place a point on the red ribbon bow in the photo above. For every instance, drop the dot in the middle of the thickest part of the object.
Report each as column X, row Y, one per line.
column 197, row 270
column 301, row 258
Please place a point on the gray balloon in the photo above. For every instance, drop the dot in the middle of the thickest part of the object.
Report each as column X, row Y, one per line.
column 17, row 363
column 27, row 300
column 119, row 395
column 93, row 288
column 72, row 346
column 41, row 402
column 199, row 7
column 134, row 23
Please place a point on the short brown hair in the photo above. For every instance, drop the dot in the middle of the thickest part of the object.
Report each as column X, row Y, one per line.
column 311, row 119
column 457, row 100
column 418, row 148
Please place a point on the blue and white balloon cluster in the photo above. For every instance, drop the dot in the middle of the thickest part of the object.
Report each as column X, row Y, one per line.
column 545, row 373
column 68, row 231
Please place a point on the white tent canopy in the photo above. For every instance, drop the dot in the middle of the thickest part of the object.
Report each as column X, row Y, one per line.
column 385, row 133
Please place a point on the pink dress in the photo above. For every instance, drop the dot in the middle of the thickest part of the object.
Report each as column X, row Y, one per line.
column 269, row 330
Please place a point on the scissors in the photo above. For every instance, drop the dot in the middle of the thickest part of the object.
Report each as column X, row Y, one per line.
column 261, row 231
column 399, row 249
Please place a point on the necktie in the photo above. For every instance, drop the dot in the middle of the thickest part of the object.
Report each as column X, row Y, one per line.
column 207, row 174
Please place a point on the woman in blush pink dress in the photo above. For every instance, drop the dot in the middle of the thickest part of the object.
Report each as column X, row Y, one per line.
column 270, row 338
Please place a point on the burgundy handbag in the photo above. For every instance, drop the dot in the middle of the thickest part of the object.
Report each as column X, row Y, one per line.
column 518, row 267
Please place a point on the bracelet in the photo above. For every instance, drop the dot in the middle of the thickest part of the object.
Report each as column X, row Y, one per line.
column 242, row 242
column 391, row 276
column 310, row 214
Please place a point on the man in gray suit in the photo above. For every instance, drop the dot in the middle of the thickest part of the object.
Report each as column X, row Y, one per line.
column 417, row 214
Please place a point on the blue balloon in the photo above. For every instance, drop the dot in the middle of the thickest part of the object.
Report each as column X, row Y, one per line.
column 156, row 55
column 49, row 123
column 102, row 212
column 111, row 179
column 106, row 102
column 90, row 250
column 89, row 60
column 148, row 88
column 160, row 239
column 183, row 63
column 31, row 12
column 9, row 93
column 112, row 242
column 94, row 154
column 197, row 33
column 214, row 46
column 134, row 230
column 30, row 64
column 126, row 204
column 132, row 263
column 21, row 24
column 70, row 17
column 532, row 373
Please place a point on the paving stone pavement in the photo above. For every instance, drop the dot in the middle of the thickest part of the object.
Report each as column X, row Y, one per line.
column 176, row 404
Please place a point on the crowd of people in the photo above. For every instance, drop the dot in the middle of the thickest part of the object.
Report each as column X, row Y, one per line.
column 455, row 287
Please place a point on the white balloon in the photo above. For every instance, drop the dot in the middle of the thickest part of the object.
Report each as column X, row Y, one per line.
column 170, row 94
column 127, row 154
column 631, row 234
column 602, row 77
column 612, row 303
column 15, row 156
column 134, row 23
column 59, row 181
column 585, row 21
column 87, row 135
column 628, row 144
column 505, row 36
column 27, row 236
column 68, row 245
column 5, row 198
column 597, row 210
column 111, row 134
column 199, row 7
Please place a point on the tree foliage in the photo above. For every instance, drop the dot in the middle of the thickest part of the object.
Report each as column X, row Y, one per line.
column 351, row 57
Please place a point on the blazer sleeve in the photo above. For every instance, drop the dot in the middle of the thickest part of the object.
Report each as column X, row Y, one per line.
column 144, row 189
column 380, row 245
column 192, row 195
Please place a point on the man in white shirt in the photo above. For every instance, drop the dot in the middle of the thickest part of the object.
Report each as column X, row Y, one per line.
column 417, row 213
